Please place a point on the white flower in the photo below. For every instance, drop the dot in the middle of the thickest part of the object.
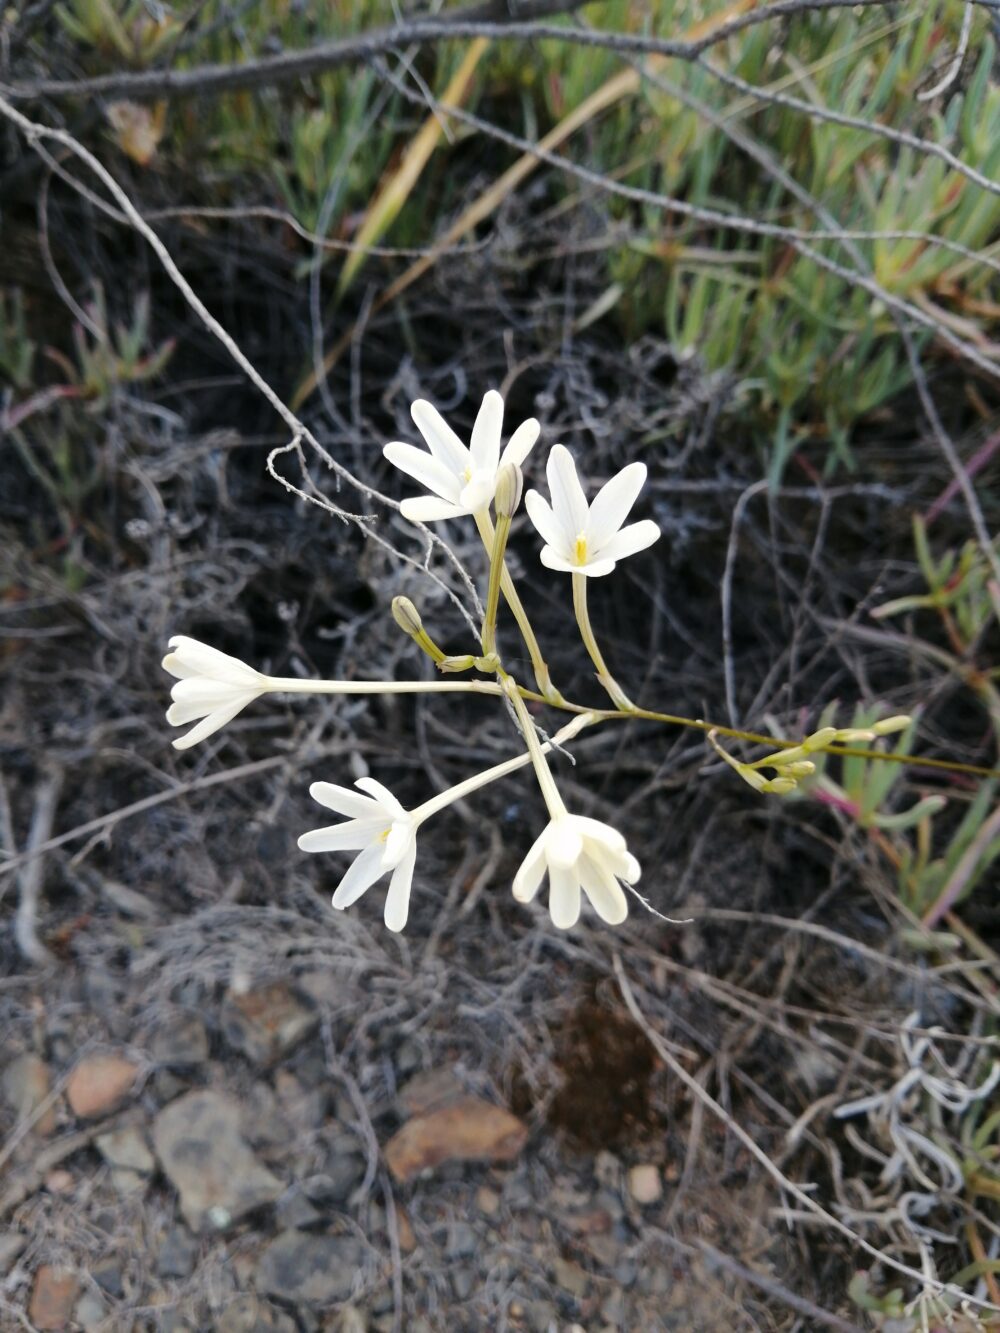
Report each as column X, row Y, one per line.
column 582, row 539
column 461, row 480
column 211, row 685
column 578, row 853
column 384, row 834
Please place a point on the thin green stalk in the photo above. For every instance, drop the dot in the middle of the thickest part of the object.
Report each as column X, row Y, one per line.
column 618, row 696
column 541, row 670
column 489, row 633
column 550, row 792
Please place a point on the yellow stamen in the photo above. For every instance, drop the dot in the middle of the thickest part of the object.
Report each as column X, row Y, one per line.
column 580, row 553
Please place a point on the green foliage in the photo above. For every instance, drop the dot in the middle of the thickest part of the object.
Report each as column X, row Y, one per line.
column 17, row 351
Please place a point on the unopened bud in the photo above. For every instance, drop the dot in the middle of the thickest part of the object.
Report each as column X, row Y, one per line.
column 510, row 484
column 852, row 735
column 888, row 725
column 779, row 786
column 819, row 739
column 450, row 665
column 803, row 768
column 407, row 617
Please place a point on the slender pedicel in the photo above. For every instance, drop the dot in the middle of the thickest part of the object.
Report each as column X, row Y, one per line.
column 510, row 484
column 550, row 792
column 541, row 670
column 618, row 696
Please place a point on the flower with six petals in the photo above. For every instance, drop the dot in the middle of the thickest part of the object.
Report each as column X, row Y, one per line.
column 461, row 480
column 382, row 833
column 578, row 854
column 211, row 686
column 588, row 539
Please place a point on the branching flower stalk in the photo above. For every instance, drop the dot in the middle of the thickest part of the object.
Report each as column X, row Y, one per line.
column 580, row 857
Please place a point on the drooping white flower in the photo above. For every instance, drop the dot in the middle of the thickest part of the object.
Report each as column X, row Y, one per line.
column 461, row 480
column 578, row 854
column 383, row 834
column 211, row 686
column 588, row 539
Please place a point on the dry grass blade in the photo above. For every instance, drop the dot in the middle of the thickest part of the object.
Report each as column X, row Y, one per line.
column 622, row 85
column 394, row 192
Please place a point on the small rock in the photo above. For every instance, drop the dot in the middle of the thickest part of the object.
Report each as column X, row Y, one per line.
column 264, row 1024
column 25, row 1085
column 198, row 1142
column 109, row 1278
column 180, row 1041
column 60, row 1181
column 91, row 1312
column 470, row 1130
column 248, row 1314
column 344, row 1173
column 177, row 1254
column 404, row 1227
column 645, row 1183
column 487, row 1201
column 462, row 1241
column 127, row 1147
column 301, row 1267
column 53, row 1297
column 463, row 1281
column 294, row 1211
column 99, row 1083
column 11, row 1246
column 431, row 1089
column 571, row 1277
column 304, row 1107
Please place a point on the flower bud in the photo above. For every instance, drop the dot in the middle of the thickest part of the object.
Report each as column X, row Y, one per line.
column 888, row 725
column 407, row 617
column 819, row 739
column 802, row 768
column 510, row 484
column 779, row 786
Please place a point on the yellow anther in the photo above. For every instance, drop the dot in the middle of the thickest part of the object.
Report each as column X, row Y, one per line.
column 580, row 552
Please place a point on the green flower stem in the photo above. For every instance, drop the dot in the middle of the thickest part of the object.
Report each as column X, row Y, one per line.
column 618, row 696
column 548, row 690
column 550, row 792
column 292, row 685
column 489, row 633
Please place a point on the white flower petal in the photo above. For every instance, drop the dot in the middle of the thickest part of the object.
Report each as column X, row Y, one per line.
column 592, row 569
column 348, row 837
column 208, row 693
column 569, row 504
column 551, row 559
column 442, row 441
column 636, row 537
column 610, row 506
column 564, row 897
column 363, row 873
column 596, row 830
column 564, row 842
column 521, row 443
column 396, row 846
column 210, row 724
column 345, row 801
column 478, row 493
column 397, row 900
column 484, row 445
column 197, row 658
column 429, row 509
column 382, row 795
column 541, row 515
column 531, row 871
column 183, row 711
column 425, row 468
column 604, row 891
